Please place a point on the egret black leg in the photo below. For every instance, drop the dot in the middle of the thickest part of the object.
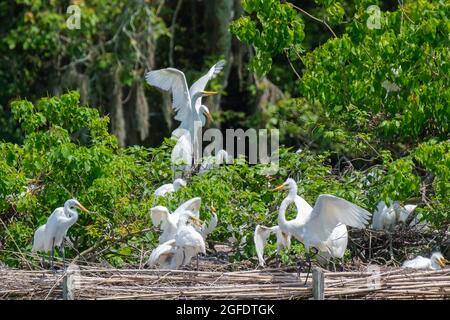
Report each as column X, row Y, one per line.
column 53, row 255
column 277, row 260
column 299, row 267
column 308, row 260
column 197, row 261
column 61, row 248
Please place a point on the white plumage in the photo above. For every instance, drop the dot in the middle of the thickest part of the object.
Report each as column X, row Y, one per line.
column 182, row 154
column 261, row 235
column 186, row 102
column 179, row 251
column 165, row 255
column 384, row 218
column 169, row 222
column 214, row 161
column 170, row 187
column 316, row 228
column 209, row 227
column 54, row 231
column 435, row 262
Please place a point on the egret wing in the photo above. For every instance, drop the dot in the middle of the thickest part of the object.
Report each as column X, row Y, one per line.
column 260, row 237
column 330, row 210
column 39, row 239
column 304, row 209
column 209, row 227
column 160, row 216
column 377, row 216
column 201, row 83
column 283, row 239
column 338, row 240
column 192, row 205
column 171, row 79
column 162, row 253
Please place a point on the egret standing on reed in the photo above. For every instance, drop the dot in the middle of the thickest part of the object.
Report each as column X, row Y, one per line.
column 55, row 230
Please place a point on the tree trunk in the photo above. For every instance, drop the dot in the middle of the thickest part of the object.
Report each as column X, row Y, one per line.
column 218, row 15
column 118, row 125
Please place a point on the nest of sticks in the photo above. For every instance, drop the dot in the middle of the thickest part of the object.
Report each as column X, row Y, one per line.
column 391, row 248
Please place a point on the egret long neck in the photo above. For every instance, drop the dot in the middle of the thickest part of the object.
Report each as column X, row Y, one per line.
column 292, row 191
column 282, row 222
column 194, row 99
column 71, row 214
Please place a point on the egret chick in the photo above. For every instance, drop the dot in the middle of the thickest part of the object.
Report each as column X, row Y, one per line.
column 435, row 262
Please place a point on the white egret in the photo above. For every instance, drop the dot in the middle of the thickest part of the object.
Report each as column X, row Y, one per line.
column 261, row 235
column 214, row 161
column 168, row 222
column 384, row 217
column 166, row 256
column 404, row 212
column 336, row 244
column 170, row 187
column 435, row 262
column 179, row 251
column 187, row 103
column 182, row 155
column 54, row 231
column 333, row 247
column 189, row 239
column 315, row 229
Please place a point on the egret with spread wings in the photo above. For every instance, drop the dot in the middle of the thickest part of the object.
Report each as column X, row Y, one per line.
column 187, row 102
column 321, row 227
column 161, row 216
column 179, row 251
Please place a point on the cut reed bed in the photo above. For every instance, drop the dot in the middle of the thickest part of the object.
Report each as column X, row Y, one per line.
column 106, row 283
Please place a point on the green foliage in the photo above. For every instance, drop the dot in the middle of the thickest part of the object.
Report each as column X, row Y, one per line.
column 47, row 56
column 276, row 28
column 68, row 153
column 377, row 96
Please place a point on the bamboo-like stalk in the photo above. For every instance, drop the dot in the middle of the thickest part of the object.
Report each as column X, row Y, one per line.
column 105, row 283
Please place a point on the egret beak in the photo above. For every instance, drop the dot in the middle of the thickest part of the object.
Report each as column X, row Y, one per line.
column 196, row 221
column 209, row 93
column 442, row 261
column 80, row 206
column 213, row 209
column 280, row 187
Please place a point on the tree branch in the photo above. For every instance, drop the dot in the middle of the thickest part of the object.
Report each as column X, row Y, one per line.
column 314, row 18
